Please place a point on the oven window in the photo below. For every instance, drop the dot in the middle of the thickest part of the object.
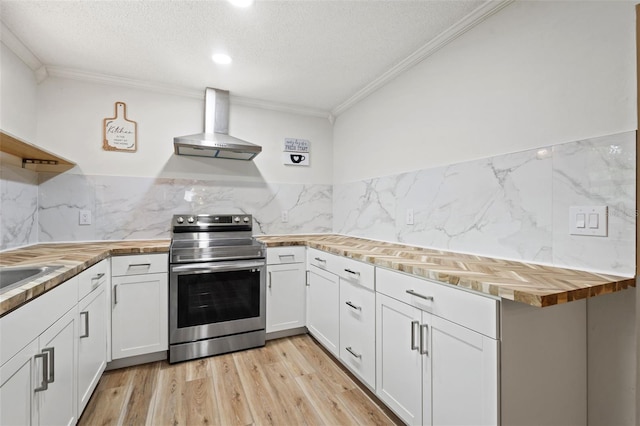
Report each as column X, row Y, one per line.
column 218, row 297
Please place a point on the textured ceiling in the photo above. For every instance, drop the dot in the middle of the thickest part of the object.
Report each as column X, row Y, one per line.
column 313, row 54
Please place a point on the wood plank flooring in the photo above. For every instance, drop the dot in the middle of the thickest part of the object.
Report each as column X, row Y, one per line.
column 290, row 381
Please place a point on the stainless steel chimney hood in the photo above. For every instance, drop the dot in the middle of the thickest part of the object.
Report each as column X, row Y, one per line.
column 215, row 142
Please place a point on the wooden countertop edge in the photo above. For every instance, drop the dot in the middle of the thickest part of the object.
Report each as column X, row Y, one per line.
column 614, row 284
column 70, row 269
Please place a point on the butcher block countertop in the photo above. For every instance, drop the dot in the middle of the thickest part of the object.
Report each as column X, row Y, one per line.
column 535, row 285
column 73, row 259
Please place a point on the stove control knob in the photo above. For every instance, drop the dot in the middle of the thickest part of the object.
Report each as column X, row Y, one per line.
column 245, row 219
column 236, row 219
column 190, row 219
column 180, row 219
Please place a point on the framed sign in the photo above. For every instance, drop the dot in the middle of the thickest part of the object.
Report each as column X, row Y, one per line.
column 119, row 133
column 296, row 152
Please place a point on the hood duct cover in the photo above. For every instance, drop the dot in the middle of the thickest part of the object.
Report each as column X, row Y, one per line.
column 215, row 142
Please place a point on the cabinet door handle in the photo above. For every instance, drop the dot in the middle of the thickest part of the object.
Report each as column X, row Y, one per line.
column 307, row 282
column 97, row 277
column 86, row 324
column 414, row 344
column 348, row 349
column 413, row 293
column 51, row 377
column 352, row 272
column 269, row 279
column 320, row 260
column 351, row 305
column 115, row 294
column 424, row 340
column 44, row 384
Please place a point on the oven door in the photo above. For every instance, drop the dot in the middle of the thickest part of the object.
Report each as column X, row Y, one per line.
column 216, row 299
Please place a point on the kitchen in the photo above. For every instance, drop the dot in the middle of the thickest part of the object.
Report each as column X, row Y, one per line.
column 492, row 107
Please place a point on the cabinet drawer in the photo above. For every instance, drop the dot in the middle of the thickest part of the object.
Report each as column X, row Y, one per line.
column 139, row 264
column 357, row 331
column 474, row 311
column 280, row 255
column 323, row 260
column 356, row 272
column 92, row 278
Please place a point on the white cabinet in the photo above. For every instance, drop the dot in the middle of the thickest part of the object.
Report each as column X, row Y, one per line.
column 38, row 360
column 431, row 370
column 286, row 295
column 139, row 305
column 92, row 330
column 323, row 310
column 56, row 402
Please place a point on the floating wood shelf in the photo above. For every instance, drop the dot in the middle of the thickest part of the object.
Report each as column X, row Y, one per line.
column 31, row 157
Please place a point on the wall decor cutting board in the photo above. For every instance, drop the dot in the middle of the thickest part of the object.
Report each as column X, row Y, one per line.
column 119, row 133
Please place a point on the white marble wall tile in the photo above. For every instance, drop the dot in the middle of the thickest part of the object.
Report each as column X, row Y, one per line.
column 60, row 199
column 18, row 207
column 598, row 171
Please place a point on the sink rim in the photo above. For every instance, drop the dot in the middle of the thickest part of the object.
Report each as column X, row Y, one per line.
column 39, row 271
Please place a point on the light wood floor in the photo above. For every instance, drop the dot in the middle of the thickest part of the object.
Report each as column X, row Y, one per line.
column 290, row 381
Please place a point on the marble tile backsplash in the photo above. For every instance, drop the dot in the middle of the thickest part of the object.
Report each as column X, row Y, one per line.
column 513, row 206
column 18, row 207
column 141, row 208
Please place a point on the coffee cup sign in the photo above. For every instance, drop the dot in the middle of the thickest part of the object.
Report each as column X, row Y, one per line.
column 296, row 152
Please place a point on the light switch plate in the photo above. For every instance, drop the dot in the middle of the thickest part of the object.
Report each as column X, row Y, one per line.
column 588, row 220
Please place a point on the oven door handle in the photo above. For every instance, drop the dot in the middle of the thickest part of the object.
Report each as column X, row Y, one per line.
column 203, row 268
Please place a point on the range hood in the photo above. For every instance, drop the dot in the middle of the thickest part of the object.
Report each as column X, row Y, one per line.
column 215, row 141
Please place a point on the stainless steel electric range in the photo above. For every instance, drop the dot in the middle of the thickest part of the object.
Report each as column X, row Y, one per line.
column 217, row 276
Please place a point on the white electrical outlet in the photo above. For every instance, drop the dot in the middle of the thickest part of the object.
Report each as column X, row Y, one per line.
column 285, row 216
column 85, row 217
column 409, row 217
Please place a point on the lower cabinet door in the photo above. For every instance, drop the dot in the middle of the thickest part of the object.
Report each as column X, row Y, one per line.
column 17, row 377
column 140, row 315
column 464, row 375
column 399, row 364
column 92, row 343
column 285, row 297
column 323, row 314
column 56, row 404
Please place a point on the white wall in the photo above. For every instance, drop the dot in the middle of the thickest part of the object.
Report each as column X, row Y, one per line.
column 70, row 124
column 18, row 89
column 535, row 74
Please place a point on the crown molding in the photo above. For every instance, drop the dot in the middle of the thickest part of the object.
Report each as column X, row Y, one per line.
column 480, row 14
column 18, row 47
column 92, row 77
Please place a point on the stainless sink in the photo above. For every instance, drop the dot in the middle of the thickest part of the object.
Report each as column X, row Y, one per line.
column 12, row 277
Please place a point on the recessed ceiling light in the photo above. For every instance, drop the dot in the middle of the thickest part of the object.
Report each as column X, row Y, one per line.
column 221, row 58
column 241, row 3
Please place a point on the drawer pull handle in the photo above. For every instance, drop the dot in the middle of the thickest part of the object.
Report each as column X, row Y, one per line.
column 97, row 277
column 414, row 344
column 352, row 272
column 413, row 293
column 348, row 349
column 286, row 255
column 320, row 260
column 44, row 384
column 51, row 377
column 351, row 305
column 139, row 265
column 424, row 340
column 86, row 324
